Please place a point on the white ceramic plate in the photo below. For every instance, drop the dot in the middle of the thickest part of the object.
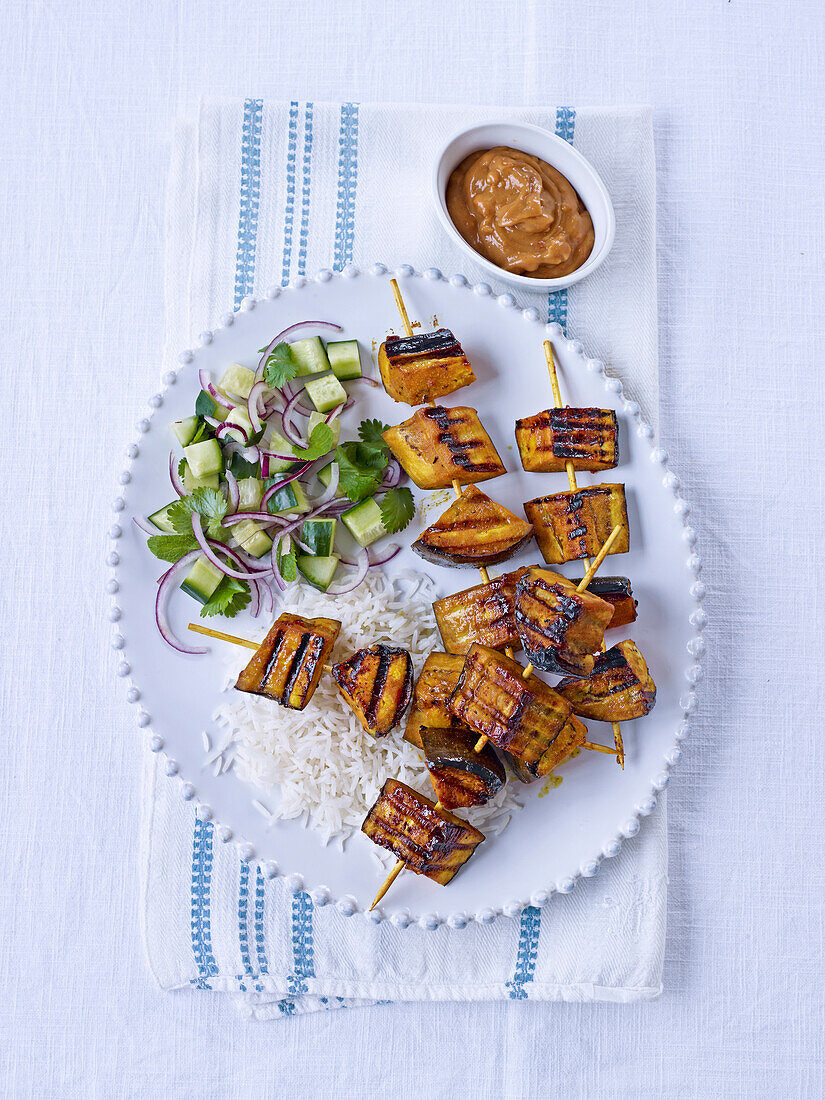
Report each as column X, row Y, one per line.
column 555, row 838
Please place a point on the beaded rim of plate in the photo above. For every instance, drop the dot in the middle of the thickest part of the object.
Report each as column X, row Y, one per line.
column 347, row 904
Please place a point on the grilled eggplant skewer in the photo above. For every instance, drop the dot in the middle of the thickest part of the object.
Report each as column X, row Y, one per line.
column 377, row 683
column 618, row 689
column 474, row 530
column 420, row 368
column 560, row 629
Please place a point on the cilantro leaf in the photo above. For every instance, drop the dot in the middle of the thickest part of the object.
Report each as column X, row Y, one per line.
column 355, row 479
column 287, row 564
column 397, row 509
column 230, row 597
column 182, row 467
column 369, row 432
column 211, row 506
column 280, row 366
column 321, row 442
column 172, row 547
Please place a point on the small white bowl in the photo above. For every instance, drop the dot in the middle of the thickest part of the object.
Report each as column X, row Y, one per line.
column 556, row 152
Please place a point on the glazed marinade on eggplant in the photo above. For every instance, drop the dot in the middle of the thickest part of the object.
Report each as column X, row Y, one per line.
column 474, row 531
column 434, row 687
column 461, row 776
column 618, row 593
column 430, row 841
column 420, row 368
column 560, row 629
column 289, row 661
column 586, row 437
column 437, row 446
column 619, row 689
column 377, row 683
column 576, row 523
column 484, row 613
column 524, row 717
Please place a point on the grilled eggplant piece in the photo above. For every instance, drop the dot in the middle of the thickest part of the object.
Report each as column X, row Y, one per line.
column 523, row 717
column 618, row 593
column 431, row 842
column 474, row 530
column 586, row 437
column 437, row 446
column 289, row 661
column 459, row 775
column 575, row 524
column 438, row 678
column 417, row 369
column 619, row 688
column 377, row 683
column 560, row 629
column 484, row 613
column 572, row 736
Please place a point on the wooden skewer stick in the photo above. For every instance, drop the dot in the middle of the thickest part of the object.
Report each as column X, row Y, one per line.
column 571, row 477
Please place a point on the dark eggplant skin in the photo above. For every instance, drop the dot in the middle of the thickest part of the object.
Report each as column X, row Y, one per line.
column 460, row 775
column 430, row 841
column 618, row 592
column 474, row 531
column 560, row 629
column 619, row 689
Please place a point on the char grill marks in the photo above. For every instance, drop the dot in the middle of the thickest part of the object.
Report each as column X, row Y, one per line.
column 523, row 717
column 619, row 688
column 475, row 531
column 460, row 776
column 484, row 613
column 431, row 842
column 586, row 437
column 288, row 663
column 437, row 446
column 420, row 368
column 576, row 523
column 377, row 684
column 560, row 629
column 435, row 685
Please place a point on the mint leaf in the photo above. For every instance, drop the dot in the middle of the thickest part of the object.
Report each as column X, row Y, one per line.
column 355, row 479
column 242, row 467
column 369, row 432
column 172, row 547
column 280, row 366
column 397, row 509
column 230, row 597
column 321, row 442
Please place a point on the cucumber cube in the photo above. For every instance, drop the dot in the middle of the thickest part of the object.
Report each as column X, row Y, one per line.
column 191, row 483
column 201, row 580
column 324, row 475
column 326, row 392
column 250, row 536
column 250, row 491
column 204, row 459
column 291, row 498
column 364, row 521
column 318, row 571
column 237, row 379
column 184, row 430
column 310, row 356
column 161, row 518
column 318, row 535
column 345, row 358
column 239, row 416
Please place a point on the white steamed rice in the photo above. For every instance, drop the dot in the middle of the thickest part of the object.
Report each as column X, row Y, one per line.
column 319, row 762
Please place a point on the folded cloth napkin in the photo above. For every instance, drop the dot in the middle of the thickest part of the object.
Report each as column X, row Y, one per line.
column 259, row 194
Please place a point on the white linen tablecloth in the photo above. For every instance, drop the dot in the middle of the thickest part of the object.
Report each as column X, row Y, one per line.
column 89, row 96
column 261, row 193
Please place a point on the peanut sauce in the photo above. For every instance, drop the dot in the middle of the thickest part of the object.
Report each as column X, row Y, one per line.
column 520, row 213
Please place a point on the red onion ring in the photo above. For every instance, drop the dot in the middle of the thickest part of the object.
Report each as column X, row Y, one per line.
column 280, row 484
column 145, row 526
column 385, row 555
column 164, row 588
column 221, row 398
column 222, row 429
column 392, row 474
column 367, row 381
column 234, row 493
column 255, row 405
column 291, row 432
column 174, row 476
column 270, row 347
column 210, row 554
column 362, row 565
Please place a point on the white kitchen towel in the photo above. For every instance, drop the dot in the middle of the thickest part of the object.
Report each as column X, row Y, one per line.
column 262, row 193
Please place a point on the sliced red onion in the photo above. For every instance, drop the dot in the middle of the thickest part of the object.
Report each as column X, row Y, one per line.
column 270, row 347
column 275, row 454
column 332, row 488
column 222, row 430
column 268, row 598
column 259, row 517
column 145, row 526
column 233, row 490
column 368, row 382
column 280, row 484
column 392, row 474
column 255, row 602
column 362, row 566
column 221, row 398
column 335, row 412
column 209, row 553
column 255, row 405
column 167, row 582
column 292, row 434
column 381, row 557
column 174, row 476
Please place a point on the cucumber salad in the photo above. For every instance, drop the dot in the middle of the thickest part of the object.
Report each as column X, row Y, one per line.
column 262, row 478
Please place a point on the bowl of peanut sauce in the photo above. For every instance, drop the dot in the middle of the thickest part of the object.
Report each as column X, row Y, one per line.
column 523, row 204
